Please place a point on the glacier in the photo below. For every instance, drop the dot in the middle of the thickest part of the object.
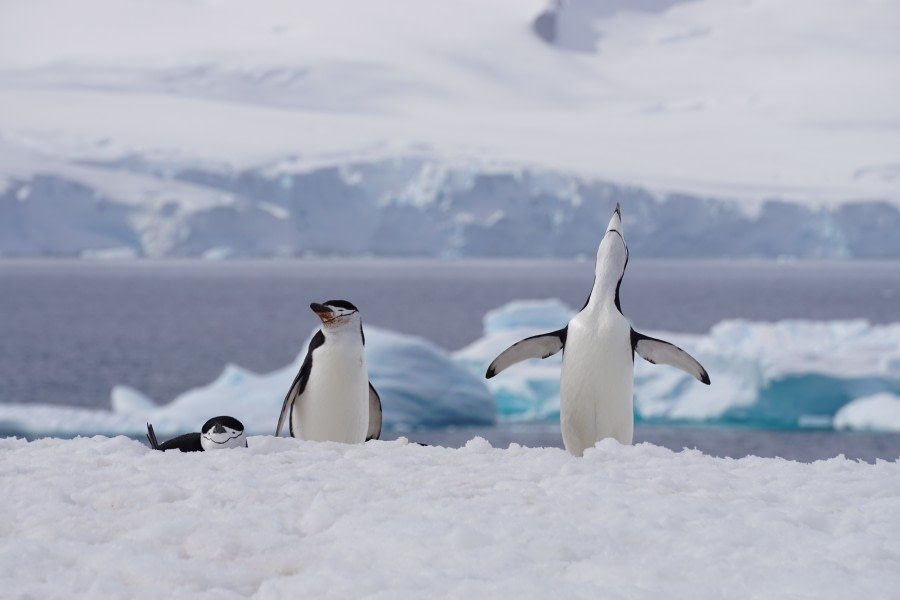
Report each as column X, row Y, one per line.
column 790, row 374
column 409, row 207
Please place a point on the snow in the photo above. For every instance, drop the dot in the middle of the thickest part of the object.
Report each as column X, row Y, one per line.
column 109, row 518
column 419, row 384
column 744, row 103
column 786, row 374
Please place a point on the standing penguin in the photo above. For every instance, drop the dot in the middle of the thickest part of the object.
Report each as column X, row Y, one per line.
column 596, row 400
column 331, row 398
column 217, row 433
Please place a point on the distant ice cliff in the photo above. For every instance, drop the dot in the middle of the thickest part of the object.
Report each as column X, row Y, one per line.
column 408, row 207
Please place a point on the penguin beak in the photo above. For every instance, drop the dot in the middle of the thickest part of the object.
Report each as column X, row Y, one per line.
column 615, row 223
column 218, row 428
column 322, row 311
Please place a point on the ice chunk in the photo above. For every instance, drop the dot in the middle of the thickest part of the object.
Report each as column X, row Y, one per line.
column 544, row 315
column 126, row 400
column 526, row 391
column 879, row 412
column 421, row 386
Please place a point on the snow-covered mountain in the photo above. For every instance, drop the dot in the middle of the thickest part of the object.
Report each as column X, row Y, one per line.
column 499, row 128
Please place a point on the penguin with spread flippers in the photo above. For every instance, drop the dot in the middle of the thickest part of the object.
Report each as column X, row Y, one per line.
column 331, row 398
column 599, row 344
column 217, row 433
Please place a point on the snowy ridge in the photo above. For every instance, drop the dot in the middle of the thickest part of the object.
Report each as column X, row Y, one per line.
column 109, row 518
column 698, row 116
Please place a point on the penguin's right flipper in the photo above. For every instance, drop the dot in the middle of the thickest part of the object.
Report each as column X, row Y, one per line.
column 537, row 346
column 289, row 399
column 151, row 437
column 299, row 383
column 374, row 414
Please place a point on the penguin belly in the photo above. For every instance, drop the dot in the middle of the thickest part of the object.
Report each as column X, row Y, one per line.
column 335, row 405
column 596, row 385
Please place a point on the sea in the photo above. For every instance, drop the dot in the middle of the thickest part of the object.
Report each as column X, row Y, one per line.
column 71, row 329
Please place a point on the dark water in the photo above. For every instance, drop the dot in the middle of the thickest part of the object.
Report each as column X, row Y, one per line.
column 70, row 330
column 732, row 442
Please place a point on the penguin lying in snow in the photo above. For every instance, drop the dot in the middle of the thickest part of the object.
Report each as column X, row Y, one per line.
column 331, row 398
column 217, row 433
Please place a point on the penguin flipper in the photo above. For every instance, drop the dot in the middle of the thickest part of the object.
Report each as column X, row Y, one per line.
column 374, row 432
column 659, row 351
column 292, row 394
column 536, row 346
column 151, row 437
column 299, row 383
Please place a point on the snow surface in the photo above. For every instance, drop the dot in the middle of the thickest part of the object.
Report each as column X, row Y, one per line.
column 420, row 386
column 216, row 142
column 788, row 374
column 109, row 518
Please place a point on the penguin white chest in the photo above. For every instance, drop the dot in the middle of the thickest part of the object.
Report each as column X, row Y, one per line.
column 596, row 385
column 335, row 405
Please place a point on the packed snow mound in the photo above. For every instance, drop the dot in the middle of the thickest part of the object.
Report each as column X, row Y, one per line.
column 110, row 518
column 114, row 146
column 419, row 384
column 789, row 374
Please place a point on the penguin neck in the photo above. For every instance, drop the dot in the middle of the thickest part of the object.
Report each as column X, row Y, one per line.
column 605, row 293
column 347, row 333
column 604, row 299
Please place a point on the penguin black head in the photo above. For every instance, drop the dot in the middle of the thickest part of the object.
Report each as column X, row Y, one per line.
column 222, row 432
column 335, row 313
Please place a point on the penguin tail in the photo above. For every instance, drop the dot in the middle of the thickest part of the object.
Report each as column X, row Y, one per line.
column 151, row 437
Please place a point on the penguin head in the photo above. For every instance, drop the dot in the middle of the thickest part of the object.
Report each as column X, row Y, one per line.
column 336, row 314
column 612, row 255
column 222, row 432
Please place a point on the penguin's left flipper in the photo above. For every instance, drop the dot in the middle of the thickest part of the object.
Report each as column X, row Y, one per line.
column 537, row 346
column 374, row 431
column 151, row 437
column 658, row 351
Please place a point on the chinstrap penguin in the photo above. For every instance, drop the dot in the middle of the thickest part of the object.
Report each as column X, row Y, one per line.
column 331, row 398
column 597, row 377
column 217, row 433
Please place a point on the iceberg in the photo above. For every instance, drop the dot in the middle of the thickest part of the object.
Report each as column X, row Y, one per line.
column 791, row 374
column 787, row 375
column 420, row 386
